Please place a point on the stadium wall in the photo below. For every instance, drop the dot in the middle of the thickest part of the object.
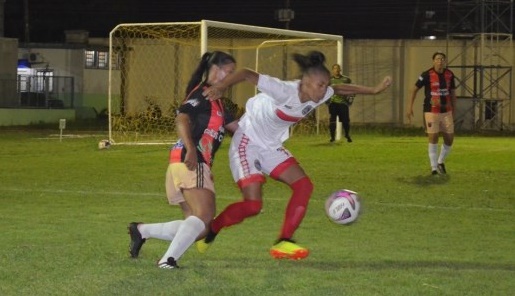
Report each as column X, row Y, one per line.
column 365, row 61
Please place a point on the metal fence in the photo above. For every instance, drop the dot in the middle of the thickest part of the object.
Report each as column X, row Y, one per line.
column 49, row 92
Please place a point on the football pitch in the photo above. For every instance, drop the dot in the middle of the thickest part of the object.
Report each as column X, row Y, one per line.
column 65, row 206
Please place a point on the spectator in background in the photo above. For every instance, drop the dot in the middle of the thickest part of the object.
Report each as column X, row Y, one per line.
column 339, row 105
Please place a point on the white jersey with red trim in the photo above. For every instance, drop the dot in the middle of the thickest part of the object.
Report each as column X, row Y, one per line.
column 270, row 113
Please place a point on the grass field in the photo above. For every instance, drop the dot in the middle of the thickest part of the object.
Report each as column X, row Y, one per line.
column 64, row 208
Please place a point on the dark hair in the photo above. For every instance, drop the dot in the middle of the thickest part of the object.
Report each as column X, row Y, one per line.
column 313, row 62
column 208, row 59
column 439, row 53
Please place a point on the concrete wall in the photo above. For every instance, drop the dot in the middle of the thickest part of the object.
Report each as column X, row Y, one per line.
column 366, row 61
column 8, row 66
column 14, row 117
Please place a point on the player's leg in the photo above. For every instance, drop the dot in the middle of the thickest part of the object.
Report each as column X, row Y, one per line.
column 333, row 113
column 139, row 232
column 432, row 130
column 447, row 129
column 198, row 191
column 245, row 167
column 345, row 119
column 293, row 175
column 202, row 202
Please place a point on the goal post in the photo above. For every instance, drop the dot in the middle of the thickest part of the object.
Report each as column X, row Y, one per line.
column 151, row 64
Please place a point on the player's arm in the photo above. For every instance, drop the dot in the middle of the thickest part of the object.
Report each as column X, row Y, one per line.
column 413, row 95
column 453, row 101
column 183, row 124
column 353, row 89
column 232, row 126
column 216, row 91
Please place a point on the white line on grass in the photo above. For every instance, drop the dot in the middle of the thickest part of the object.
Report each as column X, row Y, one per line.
column 154, row 194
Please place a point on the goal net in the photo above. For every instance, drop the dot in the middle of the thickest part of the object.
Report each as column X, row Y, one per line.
column 152, row 63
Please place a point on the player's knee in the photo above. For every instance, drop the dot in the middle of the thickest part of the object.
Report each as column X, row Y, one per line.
column 253, row 207
column 303, row 185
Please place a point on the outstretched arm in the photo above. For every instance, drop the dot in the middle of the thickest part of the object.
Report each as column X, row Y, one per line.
column 216, row 91
column 351, row 89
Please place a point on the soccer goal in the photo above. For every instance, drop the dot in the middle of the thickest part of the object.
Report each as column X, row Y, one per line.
column 151, row 64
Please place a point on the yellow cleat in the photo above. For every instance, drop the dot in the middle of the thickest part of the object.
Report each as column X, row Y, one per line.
column 286, row 249
column 202, row 246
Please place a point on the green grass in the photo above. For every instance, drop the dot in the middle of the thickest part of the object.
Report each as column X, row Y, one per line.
column 64, row 208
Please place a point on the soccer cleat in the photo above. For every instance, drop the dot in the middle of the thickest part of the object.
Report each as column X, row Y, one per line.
column 204, row 244
column 136, row 240
column 287, row 249
column 331, row 140
column 441, row 169
column 434, row 172
column 169, row 264
column 349, row 140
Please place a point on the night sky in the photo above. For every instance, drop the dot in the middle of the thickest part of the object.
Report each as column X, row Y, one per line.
column 359, row 19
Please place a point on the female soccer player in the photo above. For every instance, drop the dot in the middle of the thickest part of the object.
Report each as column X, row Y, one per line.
column 439, row 108
column 201, row 126
column 257, row 145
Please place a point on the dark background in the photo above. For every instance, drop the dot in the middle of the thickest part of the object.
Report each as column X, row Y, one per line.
column 358, row 19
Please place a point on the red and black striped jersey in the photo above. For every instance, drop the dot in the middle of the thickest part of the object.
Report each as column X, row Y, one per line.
column 437, row 90
column 208, row 119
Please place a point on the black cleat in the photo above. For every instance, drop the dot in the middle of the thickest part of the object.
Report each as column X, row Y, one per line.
column 331, row 140
column 348, row 139
column 441, row 169
column 136, row 240
column 434, row 173
column 169, row 264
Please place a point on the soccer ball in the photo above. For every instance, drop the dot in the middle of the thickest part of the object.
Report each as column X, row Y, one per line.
column 104, row 144
column 342, row 207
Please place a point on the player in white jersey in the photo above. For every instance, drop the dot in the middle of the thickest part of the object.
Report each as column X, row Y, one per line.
column 257, row 145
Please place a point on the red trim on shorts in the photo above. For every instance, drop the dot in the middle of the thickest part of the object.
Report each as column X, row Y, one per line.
column 242, row 153
column 278, row 170
column 175, row 155
column 256, row 178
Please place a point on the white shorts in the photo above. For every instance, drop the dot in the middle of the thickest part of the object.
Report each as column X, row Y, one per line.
column 439, row 122
column 178, row 177
column 250, row 162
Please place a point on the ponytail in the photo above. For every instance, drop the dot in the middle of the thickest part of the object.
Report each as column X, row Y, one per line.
column 197, row 76
column 314, row 61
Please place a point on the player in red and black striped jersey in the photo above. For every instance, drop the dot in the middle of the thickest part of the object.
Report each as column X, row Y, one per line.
column 439, row 108
column 208, row 131
column 201, row 126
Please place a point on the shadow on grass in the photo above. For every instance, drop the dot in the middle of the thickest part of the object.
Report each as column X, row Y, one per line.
column 426, row 180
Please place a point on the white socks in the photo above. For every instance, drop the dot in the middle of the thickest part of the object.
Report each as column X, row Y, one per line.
column 432, row 150
column 186, row 235
column 443, row 153
column 164, row 231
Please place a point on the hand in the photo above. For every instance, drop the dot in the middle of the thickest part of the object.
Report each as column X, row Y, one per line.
column 190, row 160
column 410, row 115
column 213, row 93
column 387, row 81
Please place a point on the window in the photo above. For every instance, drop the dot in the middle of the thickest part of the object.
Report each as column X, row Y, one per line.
column 96, row 59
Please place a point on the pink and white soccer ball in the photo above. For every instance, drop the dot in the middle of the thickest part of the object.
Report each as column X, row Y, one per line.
column 343, row 206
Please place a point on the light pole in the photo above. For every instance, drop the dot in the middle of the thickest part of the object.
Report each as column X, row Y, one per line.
column 285, row 15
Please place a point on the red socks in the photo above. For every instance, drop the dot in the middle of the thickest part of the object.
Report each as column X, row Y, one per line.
column 295, row 211
column 235, row 213
column 297, row 206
